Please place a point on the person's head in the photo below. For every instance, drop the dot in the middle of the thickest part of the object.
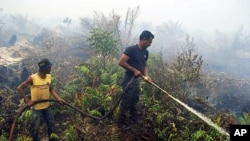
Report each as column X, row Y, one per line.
column 44, row 66
column 146, row 39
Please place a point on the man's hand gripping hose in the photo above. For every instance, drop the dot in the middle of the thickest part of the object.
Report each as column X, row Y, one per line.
column 146, row 78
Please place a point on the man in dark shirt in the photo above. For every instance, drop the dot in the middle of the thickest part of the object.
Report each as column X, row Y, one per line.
column 134, row 61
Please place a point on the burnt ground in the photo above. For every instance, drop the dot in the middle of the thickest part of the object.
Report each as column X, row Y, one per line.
column 107, row 130
column 88, row 129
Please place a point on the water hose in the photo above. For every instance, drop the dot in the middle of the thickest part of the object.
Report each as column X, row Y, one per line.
column 68, row 105
column 52, row 100
column 200, row 115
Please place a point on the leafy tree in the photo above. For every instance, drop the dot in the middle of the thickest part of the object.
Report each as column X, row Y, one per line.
column 104, row 44
column 121, row 30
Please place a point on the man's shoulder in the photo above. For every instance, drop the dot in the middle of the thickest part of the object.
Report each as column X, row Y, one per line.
column 133, row 46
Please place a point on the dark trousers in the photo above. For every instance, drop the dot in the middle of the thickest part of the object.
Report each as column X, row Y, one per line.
column 129, row 100
column 36, row 119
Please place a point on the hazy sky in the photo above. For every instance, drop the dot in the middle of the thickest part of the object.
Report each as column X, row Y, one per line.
column 193, row 14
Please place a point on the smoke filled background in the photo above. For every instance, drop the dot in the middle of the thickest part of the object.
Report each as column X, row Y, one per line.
column 200, row 54
column 220, row 28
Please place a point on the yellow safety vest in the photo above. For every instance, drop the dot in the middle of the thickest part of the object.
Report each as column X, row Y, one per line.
column 40, row 90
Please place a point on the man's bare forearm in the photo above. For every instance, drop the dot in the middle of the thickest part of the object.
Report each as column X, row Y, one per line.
column 127, row 66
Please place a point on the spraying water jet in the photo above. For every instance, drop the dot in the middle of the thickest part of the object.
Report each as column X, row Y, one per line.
column 198, row 114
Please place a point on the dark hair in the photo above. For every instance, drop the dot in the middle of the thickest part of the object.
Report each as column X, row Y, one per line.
column 146, row 35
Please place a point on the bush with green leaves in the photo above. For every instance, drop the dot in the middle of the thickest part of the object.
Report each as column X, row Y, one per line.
column 71, row 134
column 3, row 137
column 104, row 44
column 245, row 119
column 201, row 135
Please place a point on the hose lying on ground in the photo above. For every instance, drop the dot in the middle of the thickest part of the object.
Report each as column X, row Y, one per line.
column 68, row 105
column 52, row 100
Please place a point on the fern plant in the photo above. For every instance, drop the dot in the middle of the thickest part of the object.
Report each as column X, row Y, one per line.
column 53, row 136
column 24, row 121
column 71, row 134
column 3, row 137
column 201, row 136
column 23, row 138
column 245, row 119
